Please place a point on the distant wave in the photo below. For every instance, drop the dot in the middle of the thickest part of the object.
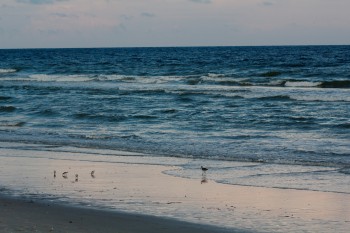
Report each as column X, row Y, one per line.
column 276, row 97
column 7, row 109
column 188, row 93
column 169, row 111
column 97, row 117
column 5, row 71
column 336, row 84
column 344, row 125
column 301, row 84
column 46, row 113
column 317, row 98
column 227, row 81
column 5, row 98
column 144, row 117
column 321, row 98
column 325, row 84
column 10, row 124
column 271, row 74
column 192, row 80
column 308, row 84
column 59, row 78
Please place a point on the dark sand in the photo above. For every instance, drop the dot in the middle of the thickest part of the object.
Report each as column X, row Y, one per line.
column 30, row 216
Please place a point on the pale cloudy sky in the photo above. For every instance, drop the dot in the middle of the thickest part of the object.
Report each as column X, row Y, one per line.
column 129, row 23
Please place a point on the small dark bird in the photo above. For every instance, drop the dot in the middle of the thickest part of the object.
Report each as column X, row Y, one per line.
column 54, row 174
column 93, row 174
column 64, row 174
column 76, row 177
column 204, row 169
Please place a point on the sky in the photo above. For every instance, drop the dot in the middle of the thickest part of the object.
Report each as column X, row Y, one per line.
column 144, row 23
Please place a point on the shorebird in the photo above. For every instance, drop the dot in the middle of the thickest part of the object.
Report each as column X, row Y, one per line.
column 76, row 177
column 54, row 174
column 93, row 174
column 204, row 175
column 64, row 174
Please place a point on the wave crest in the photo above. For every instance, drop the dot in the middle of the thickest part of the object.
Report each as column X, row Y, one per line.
column 301, row 84
column 7, row 108
column 5, row 71
column 336, row 84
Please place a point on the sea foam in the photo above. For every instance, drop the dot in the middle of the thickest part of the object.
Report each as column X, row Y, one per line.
column 4, row 71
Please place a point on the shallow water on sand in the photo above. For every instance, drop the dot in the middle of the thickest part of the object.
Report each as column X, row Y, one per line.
column 139, row 183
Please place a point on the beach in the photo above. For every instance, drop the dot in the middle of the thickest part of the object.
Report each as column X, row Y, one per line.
column 128, row 195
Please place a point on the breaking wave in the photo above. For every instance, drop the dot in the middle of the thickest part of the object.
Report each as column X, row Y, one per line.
column 6, row 71
column 302, row 84
column 336, row 84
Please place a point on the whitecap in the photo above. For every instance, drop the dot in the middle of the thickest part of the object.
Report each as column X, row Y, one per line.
column 302, row 84
column 59, row 78
column 5, row 71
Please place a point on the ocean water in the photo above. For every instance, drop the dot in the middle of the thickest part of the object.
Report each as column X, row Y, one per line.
column 285, row 109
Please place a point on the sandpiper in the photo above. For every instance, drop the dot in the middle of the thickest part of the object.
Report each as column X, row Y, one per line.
column 93, row 173
column 204, row 169
column 54, row 174
column 64, row 174
column 76, row 177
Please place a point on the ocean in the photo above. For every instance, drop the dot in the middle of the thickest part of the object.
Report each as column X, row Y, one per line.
column 284, row 108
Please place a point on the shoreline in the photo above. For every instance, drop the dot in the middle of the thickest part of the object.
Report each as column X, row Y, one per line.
column 126, row 187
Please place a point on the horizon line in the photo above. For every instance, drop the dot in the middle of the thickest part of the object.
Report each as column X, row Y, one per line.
column 176, row 46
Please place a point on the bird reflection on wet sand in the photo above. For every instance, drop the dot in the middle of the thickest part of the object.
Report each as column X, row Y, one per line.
column 204, row 179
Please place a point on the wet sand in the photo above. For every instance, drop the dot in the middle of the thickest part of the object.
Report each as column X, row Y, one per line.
column 122, row 186
column 31, row 216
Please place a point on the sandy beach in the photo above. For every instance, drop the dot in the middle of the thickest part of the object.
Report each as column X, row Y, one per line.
column 127, row 195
